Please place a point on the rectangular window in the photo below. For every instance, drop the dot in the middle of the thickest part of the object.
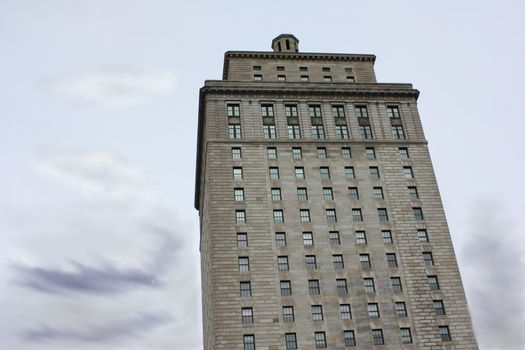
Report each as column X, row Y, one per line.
column 271, row 152
column 282, row 263
column 237, row 173
column 370, row 153
column 393, row 112
column 321, row 152
column 331, row 215
column 342, row 286
column 407, row 171
column 347, row 154
column 257, row 77
column 360, row 237
column 373, row 310
column 280, row 68
column 267, row 110
column 378, row 193
column 249, row 342
column 349, row 337
column 290, row 110
column 439, row 307
column 308, row 239
column 444, row 332
column 291, row 341
column 364, row 260
column 315, row 111
column 246, row 289
column 387, row 236
column 377, row 337
column 286, row 288
column 244, row 264
column 294, row 132
column 418, row 213
column 357, row 216
column 280, row 239
column 396, row 284
column 326, row 69
column 303, row 69
column 428, row 259
column 302, row 194
column 318, row 132
column 317, row 313
column 288, row 315
column 278, row 216
column 320, row 340
column 345, row 311
column 401, row 309
column 240, row 217
column 305, row 78
column 398, row 132
column 238, row 194
column 234, row 110
column 353, row 193
column 236, row 153
column 297, row 153
column 234, row 131
column 361, row 111
column 366, row 132
column 338, row 111
column 369, row 285
column 299, row 173
column 422, row 235
column 341, row 132
column 433, row 283
column 403, row 153
column 328, row 194
column 276, row 194
column 313, row 287
column 338, row 261
column 406, row 336
column 327, row 78
column 274, row 173
column 269, row 131
column 281, row 77
column 334, row 238
column 382, row 214
column 242, row 240
column 412, row 192
column 391, row 259
column 310, row 261
column 304, row 215
column 350, row 79
column 325, row 173
column 349, row 172
column 374, row 172
column 256, row 67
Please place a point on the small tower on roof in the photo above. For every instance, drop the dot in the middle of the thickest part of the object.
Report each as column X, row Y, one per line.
column 285, row 43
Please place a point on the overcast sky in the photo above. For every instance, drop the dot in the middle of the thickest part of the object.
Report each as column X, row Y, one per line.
column 98, row 117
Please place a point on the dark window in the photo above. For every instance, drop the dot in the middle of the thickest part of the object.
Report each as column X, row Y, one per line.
column 281, row 77
column 341, row 132
column 257, row 77
column 326, row 69
column 242, row 240
column 377, row 337
column 338, row 261
column 297, row 153
column 370, row 153
column 313, row 287
column 318, row 132
column 396, row 284
column 291, row 341
column 406, row 336
column 347, row 154
column 346, row 313
column 373, row 310
column 357, row 215
column 286, row 288
column 321, row 152
column 342, row 287
column 387, row 236
column 350, row 79
column 418, row 213
column 317, row 313
column 282, row 263
column 378, row 193
column 315, row 111
column 247, row 315
column 393, row 112
column 267, row 110
column 428, row 259
column 320, row 340
column 403, row 153
column 439, row 307
column 236, row 153
column 407, row 170
column 334, row 238
column 327, row 78
column 360, row 237
column 246, row 289
column 233, row 110
column 401, row 309
column 433, row 283
column 299, row 173
column 444, row 332
column 382, row 214
column 364, row 259
column 331, row 215
column 391, row 259
column 366, row 132
column 361, row 111
column 398, row 132
column 338, row 111
column 288, row 315
column 412, row 192
column 328, row 194
column 310, row 261
column 349, row 337
column 369, row 285
column 280, row 239
column 234, row 131
column 374, row 172
column 422, row 235
column 256, row 67
column 271, row 152
column 305, row 78
column 353, row 193
column 349, row 172
column 325, row 173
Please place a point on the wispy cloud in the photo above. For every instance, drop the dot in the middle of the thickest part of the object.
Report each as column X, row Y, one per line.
column 115, row 86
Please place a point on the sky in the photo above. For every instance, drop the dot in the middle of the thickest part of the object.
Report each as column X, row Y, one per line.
column 98, row 124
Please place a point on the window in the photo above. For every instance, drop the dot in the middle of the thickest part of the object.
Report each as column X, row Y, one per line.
column 398, row 132
column 233, row 110
column 406, row 336
column 328, row 194
column 247, row 315
column 269, row 131
column 387, row 236
column 304, row 215
column 349, row 69
column 378, row 193
column 444, row 332
column 282, row 263
column 357, row 215
column 236, row 153
column 341, row 132
column 237, row 173
column 401, row 309
column 338, row 262
column 346, row 313
column 327, row 78
column 290, row 110
column 439, row 307
column 320, row 340
column 303, row 69
column 291, row 341
column 240, row 217
column 330, row 215
column 418, row 213
column 396, row 284
column 361, row 111
column 281, row 77
column 318, row 131
column 315, row 111
column 267, row 110
column 238, row 194
column 326, row 69
column 422, row 235
column 272, row 152
column 353, row 193
column 278, row 216
column 403, row 153
column 299, row 173
column 347, row 154
column 393, row 111
column 317, row 313
column 286, row 288
column 366, row 132
column 244, row 264
column 325, row 173
column 302, row 194
column 374, row 172
column 412, row 192
column 308, row 238
column 288, row 315
column 342, row 287
column 313, row 287
column 349, row 337
column 350, row 79
column 349, row 172
column 321, row 152
column 296, row 153
column 280, row 68
column 360, row 237
column 391, row 259
column 310, row 261
column 334, row 238
column 258, row 77
column 373, row 310
column 242, row 240
column 338, row 111
column 249, row 342
column 256, row 67
column 407, row 170
column 280, row 239
column 276, row 194
column 377, row 337
column 364, row 259
column 274, row 173
column 433, row 283
column 370, row 153
column 305, row 78
column 294, row 132
column 369, row 285
column 382, row 214
column 246, row 289
column 428, row 259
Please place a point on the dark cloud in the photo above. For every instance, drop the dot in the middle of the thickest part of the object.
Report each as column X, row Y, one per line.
column 134, row 326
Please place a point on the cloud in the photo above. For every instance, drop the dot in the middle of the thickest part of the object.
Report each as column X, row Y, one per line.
column 115, row 86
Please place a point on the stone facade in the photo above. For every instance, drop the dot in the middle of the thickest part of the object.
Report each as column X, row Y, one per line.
column 254, row 81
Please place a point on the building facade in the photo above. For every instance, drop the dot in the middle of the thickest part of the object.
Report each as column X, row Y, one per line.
column 320, row 216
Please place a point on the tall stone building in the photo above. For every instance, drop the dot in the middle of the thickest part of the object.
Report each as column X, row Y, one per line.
column 321, row 220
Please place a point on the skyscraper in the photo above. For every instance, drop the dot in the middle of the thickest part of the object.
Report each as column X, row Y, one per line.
column 321, row 220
